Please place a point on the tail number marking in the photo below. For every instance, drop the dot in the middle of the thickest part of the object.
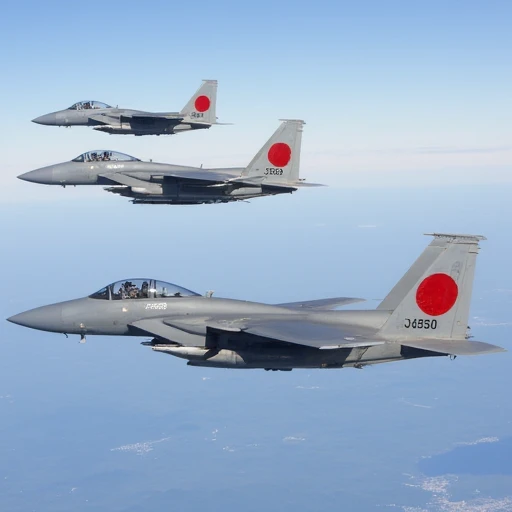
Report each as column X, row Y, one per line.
column 419, row 323
column 196, row 115
column 273, row 171
column 156, row 305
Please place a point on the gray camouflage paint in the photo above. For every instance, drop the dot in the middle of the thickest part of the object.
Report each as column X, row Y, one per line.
column 227, row 333
column 198, row 113
column 274, row 170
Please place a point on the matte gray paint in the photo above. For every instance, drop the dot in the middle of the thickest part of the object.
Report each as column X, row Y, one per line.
column 124, row 121
column 157, row 183
column 218, row 332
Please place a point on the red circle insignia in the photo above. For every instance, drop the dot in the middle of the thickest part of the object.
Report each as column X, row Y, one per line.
column 437, row 294
column 279, row 154
column 202, row 103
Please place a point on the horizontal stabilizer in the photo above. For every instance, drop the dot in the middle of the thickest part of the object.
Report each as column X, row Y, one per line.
column 454, row 347
column 321, row 303
column 308, row 184
column 282, row 189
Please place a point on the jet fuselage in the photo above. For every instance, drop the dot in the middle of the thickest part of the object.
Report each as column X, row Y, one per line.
column 158, row 183
column 425, row 314
column 121, row 121
column 200, row 347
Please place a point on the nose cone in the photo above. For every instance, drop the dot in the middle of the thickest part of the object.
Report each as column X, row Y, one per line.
column 46, row 318
column 47, row 119
column 44, row 176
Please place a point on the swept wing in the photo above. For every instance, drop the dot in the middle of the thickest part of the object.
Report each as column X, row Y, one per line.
column 192, row 174
column 297, row 331
column 190, row 331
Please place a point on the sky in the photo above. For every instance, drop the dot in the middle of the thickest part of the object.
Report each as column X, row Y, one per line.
column 399, row 93
column 407, row 108
column 111, row 425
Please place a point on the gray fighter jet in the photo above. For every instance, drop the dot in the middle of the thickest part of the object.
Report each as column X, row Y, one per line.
column 424, row 315
column 198, row 113
column 274, row 170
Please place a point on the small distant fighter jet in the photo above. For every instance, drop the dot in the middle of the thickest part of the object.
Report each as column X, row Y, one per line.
column 424, row 315
column 198, row 113
column 274, row 170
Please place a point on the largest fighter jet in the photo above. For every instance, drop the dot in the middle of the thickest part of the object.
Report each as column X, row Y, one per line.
column 197, row 114
column 274, row 170
column 424, row 315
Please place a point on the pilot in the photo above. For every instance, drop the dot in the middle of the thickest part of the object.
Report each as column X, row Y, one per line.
column 106, row 155
column 132, row 291
column 144, row 291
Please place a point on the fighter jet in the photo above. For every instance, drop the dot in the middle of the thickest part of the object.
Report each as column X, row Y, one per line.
column 274, row 170
column 198, row 113
column 424, row 315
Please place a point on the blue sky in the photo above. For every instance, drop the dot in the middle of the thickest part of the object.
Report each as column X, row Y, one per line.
column 408, row 113
column 111, row 425
column 392, row 92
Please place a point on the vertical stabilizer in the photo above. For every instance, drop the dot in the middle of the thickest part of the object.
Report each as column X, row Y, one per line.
column 278, row 161
column 432, row 299
column 201, row 107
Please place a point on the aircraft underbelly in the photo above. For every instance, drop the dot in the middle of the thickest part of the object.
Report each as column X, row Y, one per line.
column 176, row 192
column 280, row 356
column 315, row 358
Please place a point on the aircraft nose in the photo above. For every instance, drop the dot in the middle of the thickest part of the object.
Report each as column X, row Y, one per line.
column 47, row 119
column 46, row 318
column 43, row 175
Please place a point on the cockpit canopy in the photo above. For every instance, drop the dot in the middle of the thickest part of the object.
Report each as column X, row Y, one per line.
column 101, row 155
column 88, row 105
column 141, row 289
